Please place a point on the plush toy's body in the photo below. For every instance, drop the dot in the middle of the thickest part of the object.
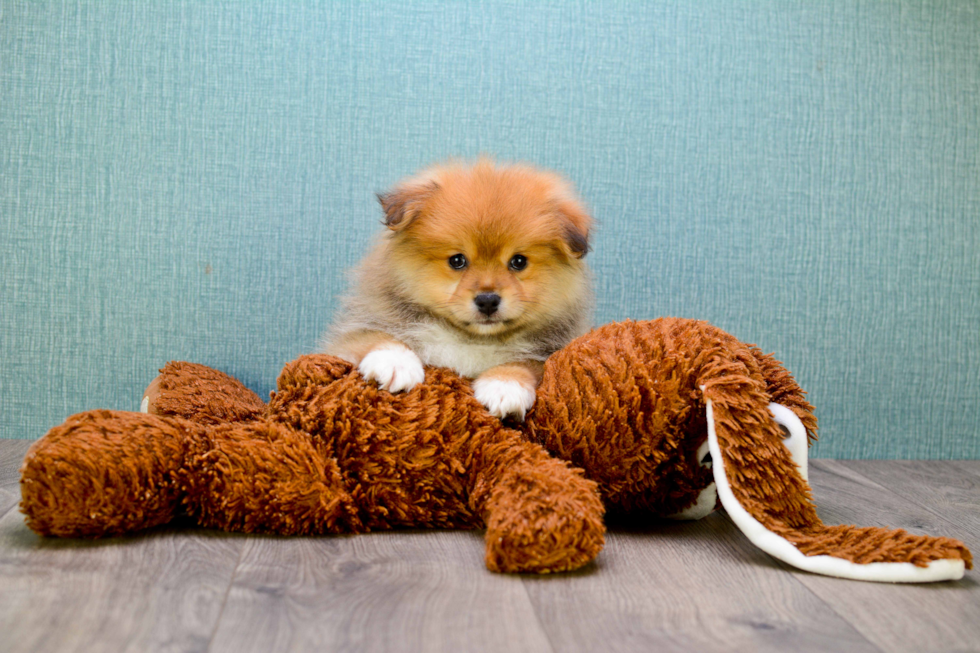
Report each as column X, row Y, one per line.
column 635, row 405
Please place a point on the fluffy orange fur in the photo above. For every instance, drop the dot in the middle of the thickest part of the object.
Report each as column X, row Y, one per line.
column 459, row 235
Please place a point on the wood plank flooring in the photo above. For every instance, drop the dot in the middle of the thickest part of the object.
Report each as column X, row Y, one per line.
column 661, row 586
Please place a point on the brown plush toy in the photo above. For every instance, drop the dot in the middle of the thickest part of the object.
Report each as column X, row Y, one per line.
column 637, row 405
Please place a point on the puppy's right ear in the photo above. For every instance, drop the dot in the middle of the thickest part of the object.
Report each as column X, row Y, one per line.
column 404, row 203
column 578, row 225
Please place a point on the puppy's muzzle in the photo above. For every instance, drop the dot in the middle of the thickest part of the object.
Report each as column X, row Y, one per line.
column 487, row 303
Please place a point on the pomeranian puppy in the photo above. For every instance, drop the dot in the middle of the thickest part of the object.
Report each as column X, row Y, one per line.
column 480, row 270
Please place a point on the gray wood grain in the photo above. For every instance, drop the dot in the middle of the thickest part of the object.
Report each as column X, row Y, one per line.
column 969, row 466
column 162, row 591
column 8, row 499
column 932, row 617
column 695, row 586
column 11, row 456
column 657, row 586
column 389, row 591
column 948, row 489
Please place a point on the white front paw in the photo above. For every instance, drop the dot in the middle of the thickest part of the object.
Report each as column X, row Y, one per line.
column 396, row 368
column 503, row 398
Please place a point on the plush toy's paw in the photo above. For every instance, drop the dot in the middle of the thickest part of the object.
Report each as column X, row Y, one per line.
column 395, row 367
column 504, row 398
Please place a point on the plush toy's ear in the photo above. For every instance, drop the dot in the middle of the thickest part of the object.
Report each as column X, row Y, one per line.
column 405, row 202
column 763, row 489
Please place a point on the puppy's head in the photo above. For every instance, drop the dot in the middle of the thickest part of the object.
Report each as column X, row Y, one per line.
column 490, row 248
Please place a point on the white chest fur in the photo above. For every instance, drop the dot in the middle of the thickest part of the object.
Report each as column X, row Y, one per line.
column 441, row 347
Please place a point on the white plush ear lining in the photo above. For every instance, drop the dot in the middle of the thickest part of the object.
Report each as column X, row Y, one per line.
column 796, row 442
column 780, row 548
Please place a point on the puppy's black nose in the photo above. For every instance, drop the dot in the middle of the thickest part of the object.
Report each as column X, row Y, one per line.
column 487, row 303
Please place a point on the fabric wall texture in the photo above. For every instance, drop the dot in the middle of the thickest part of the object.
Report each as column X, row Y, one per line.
column 188, row 180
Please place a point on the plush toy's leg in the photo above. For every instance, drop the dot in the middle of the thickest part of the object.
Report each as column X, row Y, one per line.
column 266, row 477
column 200, row 394
column 761, row 487
column 542, row 516
column 108, row 472
column 105, row 473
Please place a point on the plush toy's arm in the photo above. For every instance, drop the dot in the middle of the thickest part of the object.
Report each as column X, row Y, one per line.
column 542, row 515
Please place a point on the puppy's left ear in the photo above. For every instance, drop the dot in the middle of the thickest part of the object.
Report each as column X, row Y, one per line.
column 578, row 225
column 404, row 203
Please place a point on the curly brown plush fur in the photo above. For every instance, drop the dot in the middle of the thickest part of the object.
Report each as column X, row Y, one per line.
column 330, row 453
column 634, row 428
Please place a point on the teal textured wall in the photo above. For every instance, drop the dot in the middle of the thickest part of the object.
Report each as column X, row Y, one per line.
column 187, row 180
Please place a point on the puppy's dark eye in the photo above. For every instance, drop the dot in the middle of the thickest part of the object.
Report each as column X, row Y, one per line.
column 457, row 261
column 518, row 262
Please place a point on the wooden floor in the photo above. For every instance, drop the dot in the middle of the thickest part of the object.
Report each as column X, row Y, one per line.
column 663, row 587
